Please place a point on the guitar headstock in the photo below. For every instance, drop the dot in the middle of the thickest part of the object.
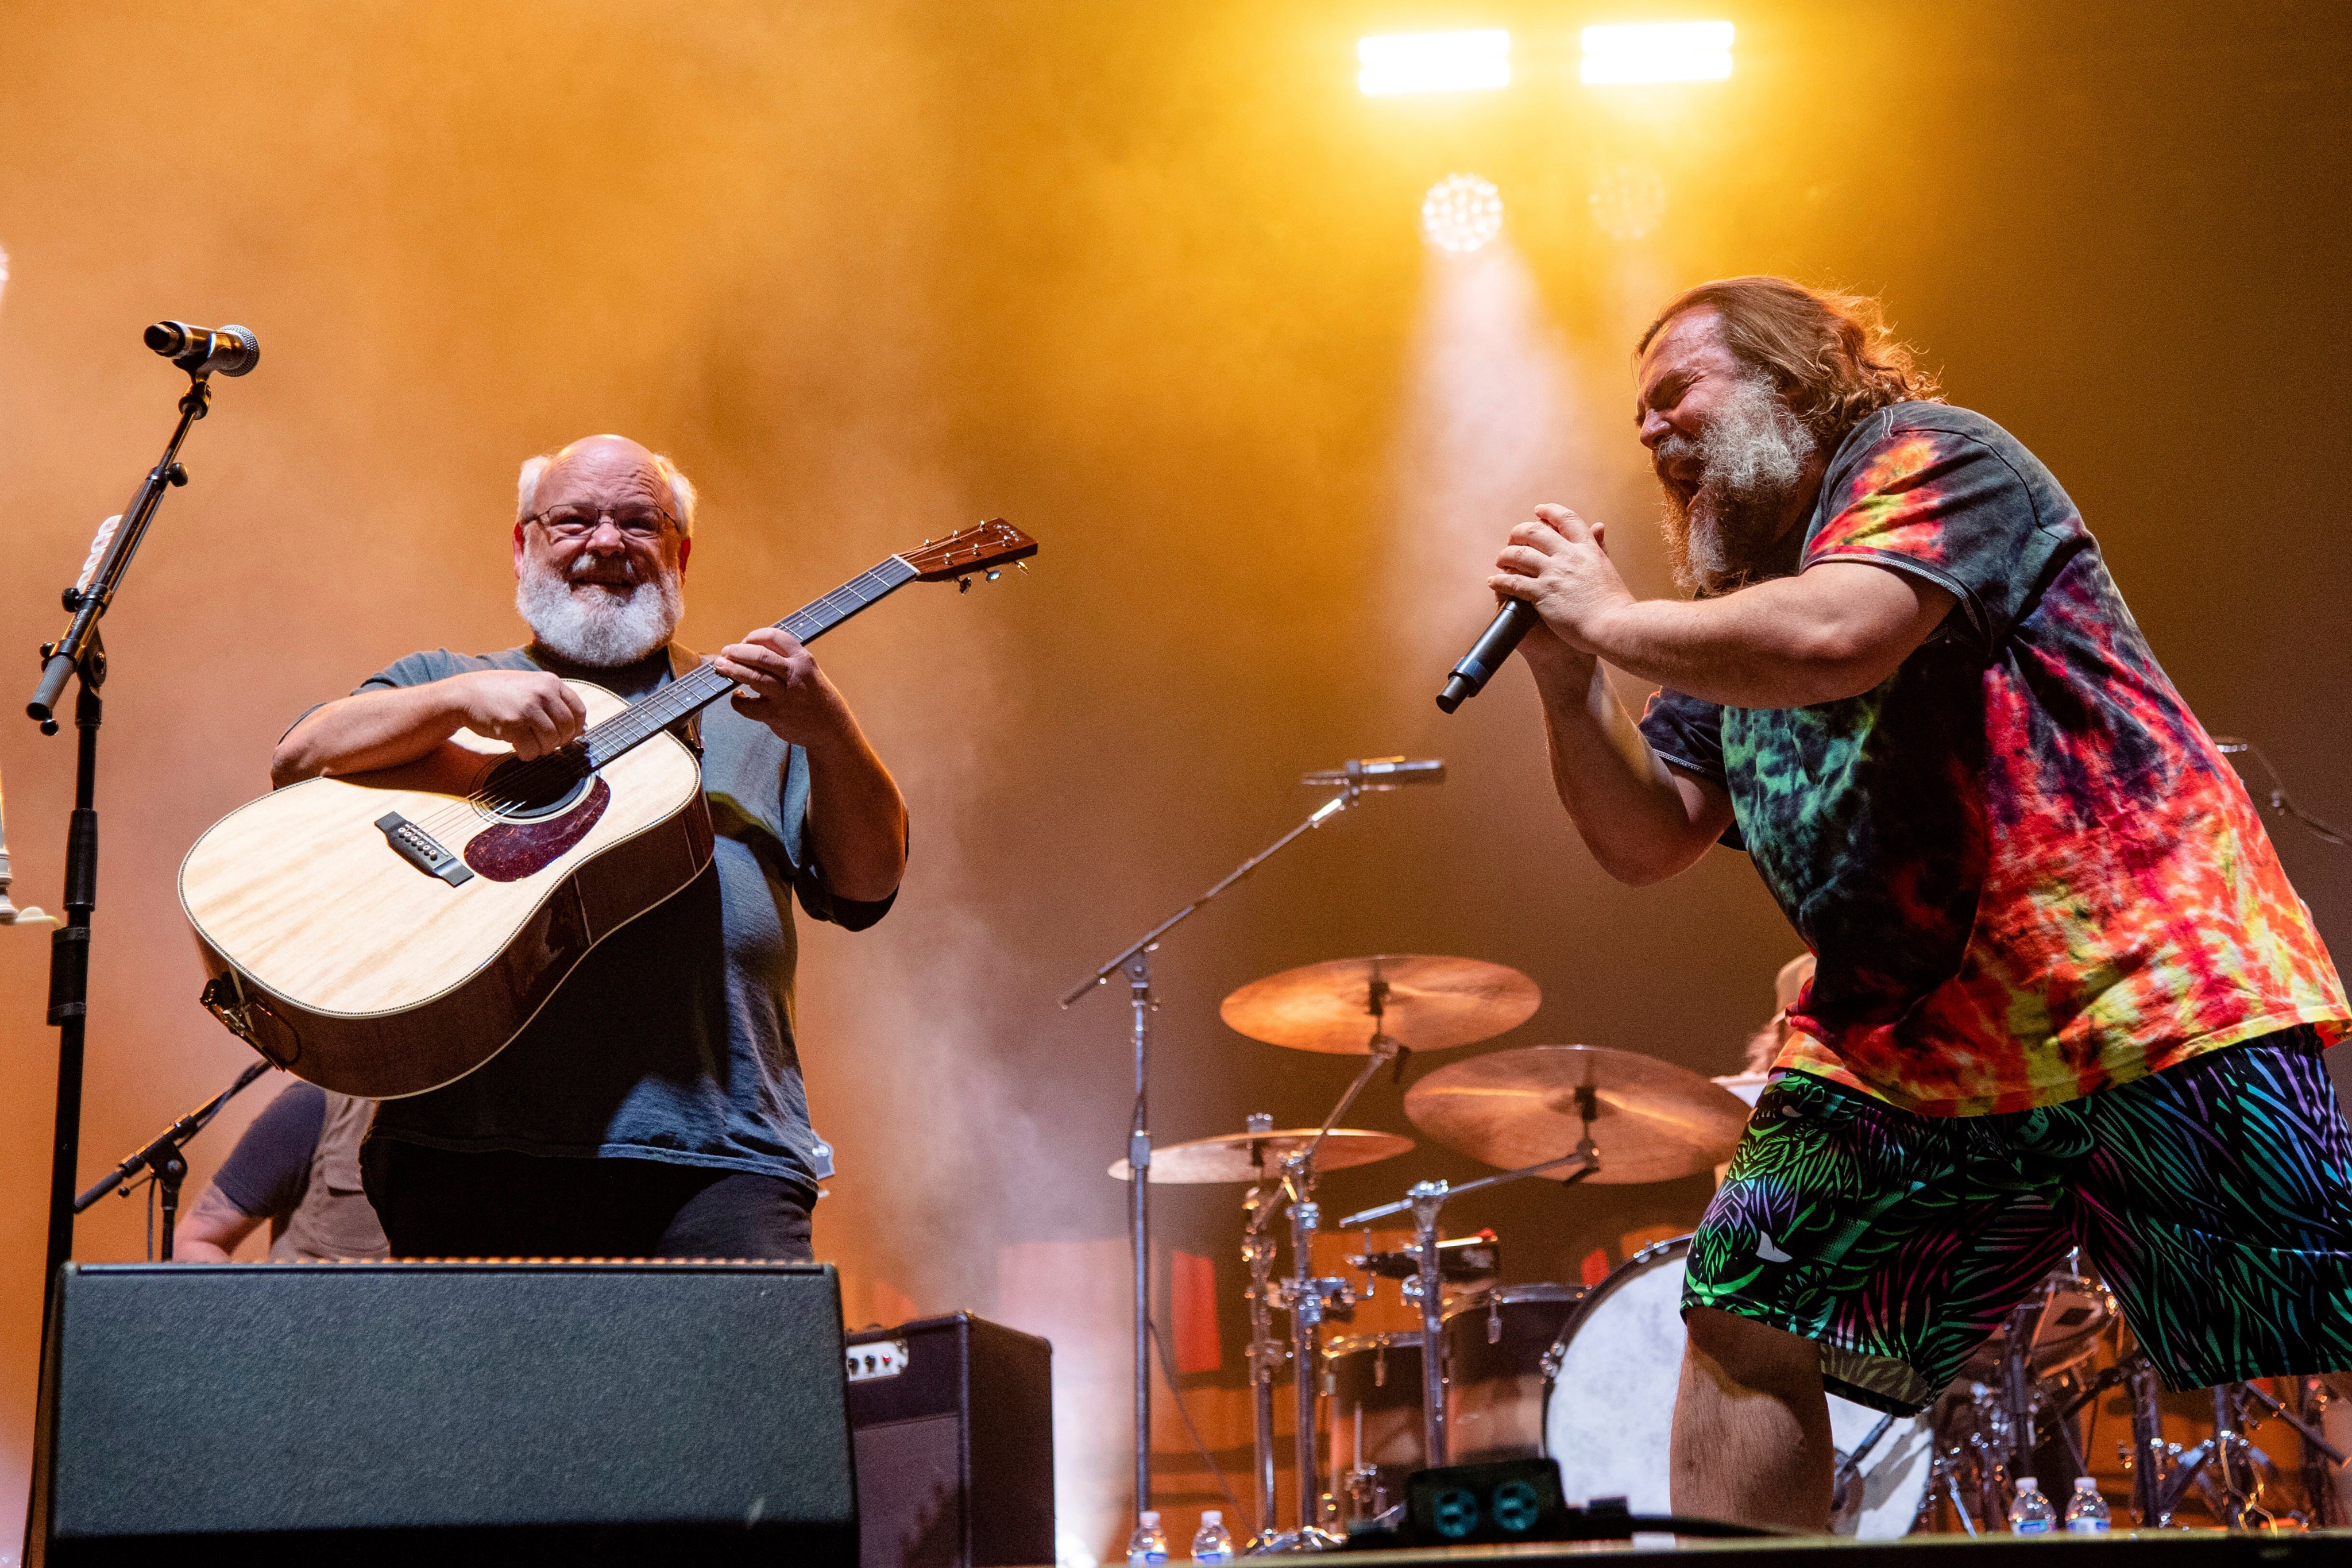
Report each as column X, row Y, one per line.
column 982, row 548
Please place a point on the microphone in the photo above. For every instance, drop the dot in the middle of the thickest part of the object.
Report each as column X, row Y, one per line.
column 200, row 350
column 1379, row 773
column 1469, row 678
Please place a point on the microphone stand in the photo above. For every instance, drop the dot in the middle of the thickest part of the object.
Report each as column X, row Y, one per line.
column 1135, row 963
column 81, row 653
column 162, row 1156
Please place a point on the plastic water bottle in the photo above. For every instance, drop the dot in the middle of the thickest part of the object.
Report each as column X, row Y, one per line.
column 1148, row 1547
column 1215, row 1543
column 2086, row 1510
column 2030, row 1514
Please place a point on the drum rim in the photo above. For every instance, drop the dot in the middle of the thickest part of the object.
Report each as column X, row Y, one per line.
column 1510, row 1294
column 1387, row 1340
column 1656, row 1252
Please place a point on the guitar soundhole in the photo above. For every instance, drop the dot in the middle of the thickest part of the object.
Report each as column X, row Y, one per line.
column 527, row 792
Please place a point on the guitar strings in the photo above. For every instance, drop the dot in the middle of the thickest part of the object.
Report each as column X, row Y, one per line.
column 521, row 784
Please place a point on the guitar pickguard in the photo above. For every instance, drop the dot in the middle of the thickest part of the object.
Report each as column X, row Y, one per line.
column 510, row 851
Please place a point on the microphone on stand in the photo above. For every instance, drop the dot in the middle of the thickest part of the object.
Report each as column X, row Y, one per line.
column 201, row 351
column 1513, row 621
column 1379, row 773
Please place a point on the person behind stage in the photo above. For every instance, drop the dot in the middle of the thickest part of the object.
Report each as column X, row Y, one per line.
column 2064, row 992
column 653, row 1106
column 298, row 1167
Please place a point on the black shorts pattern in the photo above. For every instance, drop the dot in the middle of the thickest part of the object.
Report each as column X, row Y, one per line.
column 2215, row 1199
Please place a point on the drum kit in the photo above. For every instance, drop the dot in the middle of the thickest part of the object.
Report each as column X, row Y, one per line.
column 1586, row 1376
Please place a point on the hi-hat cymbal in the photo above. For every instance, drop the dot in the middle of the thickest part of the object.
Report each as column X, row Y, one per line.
column 1426, row 1003
column 1652, row 1120
column 1247, row 1156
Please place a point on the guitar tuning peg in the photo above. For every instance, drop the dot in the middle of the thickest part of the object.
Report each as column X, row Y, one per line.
column 995, row 573
column 1022, row 567
column 963, row 585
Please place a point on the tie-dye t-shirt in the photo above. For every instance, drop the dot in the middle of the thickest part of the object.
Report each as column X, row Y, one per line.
column 2026, row 870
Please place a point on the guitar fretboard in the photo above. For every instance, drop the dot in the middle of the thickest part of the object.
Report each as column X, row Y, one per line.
column 693, row 693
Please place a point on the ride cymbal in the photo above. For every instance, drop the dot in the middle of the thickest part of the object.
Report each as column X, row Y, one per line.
column 1651, row 1121
column 1423, row 1002
column 1247, row 1156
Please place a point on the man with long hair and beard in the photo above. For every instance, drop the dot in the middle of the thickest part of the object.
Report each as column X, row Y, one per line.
column 654, row 1106
column 2065, row 994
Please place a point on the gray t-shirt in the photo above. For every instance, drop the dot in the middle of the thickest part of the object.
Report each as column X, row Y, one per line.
column 672, row 1038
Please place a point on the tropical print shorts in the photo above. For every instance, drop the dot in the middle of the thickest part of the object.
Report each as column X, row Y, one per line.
column 2214, row 1198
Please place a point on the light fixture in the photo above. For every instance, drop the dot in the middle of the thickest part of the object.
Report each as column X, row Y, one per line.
column 1657, row 51
column 1628, row 200
column 1433, row 62
column 1461, row 212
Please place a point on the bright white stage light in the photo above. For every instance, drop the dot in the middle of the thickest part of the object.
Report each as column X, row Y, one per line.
column 1433, row 62
column 1461, row 212
column 1657, row 51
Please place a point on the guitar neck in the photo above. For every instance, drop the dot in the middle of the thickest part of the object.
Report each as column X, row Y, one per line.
column 693, row 693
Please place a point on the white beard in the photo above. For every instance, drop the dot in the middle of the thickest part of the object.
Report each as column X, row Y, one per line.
column 1752, row 460
column 594, row 626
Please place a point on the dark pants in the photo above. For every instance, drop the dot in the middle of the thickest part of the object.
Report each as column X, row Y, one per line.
column 437, row 1204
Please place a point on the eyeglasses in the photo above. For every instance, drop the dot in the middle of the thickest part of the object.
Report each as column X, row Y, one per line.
column 640, row 524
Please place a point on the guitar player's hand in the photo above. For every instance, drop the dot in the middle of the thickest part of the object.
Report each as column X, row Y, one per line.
column 529, row 710
column 778, row 683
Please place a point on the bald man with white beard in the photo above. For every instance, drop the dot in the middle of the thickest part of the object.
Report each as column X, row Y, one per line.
column 654, row 1108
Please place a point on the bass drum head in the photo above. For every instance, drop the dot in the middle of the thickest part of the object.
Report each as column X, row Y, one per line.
column 1609, row 1408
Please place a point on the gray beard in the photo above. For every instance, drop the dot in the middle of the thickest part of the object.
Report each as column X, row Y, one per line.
column 594, row 626
column 1752, row 458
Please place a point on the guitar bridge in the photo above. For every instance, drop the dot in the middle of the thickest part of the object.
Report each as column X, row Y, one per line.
column 422, row 850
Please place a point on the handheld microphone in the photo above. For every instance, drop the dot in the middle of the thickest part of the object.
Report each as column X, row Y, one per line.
column 1469, row 678
column 1379, row 773
column 201, row 351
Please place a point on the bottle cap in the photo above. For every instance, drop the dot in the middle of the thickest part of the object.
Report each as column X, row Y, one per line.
column 1150, row 1516
column 2025, row 1484
column 2087, row 1483
column 1211, row 1516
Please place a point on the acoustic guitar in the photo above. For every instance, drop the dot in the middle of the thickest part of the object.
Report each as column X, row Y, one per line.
column 384, row 934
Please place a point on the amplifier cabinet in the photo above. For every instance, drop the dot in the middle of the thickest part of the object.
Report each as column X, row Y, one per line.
column 953, row 1420
column 452, row 1413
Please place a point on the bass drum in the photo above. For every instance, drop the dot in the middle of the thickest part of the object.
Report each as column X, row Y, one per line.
column 1609, row 1408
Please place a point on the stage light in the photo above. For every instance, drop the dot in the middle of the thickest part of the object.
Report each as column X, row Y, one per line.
column 1628, row 201
column 1461, row 212
column 1433, row 62
column 1657, row 51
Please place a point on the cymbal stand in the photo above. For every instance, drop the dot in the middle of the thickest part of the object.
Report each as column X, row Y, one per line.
column 1135, row 963
column 1267, row 1353
column 1308, row 1297
column 1425, row 1199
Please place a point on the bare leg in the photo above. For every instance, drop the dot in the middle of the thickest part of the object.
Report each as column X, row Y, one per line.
column 1751, row 1425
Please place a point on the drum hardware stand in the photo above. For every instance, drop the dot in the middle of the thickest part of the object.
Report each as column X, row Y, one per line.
column 162, row 1156
column 1308, row 1299
column 1425, row 1199
column 1266, row 1352
column 2225, row 1467
column 1135, row 963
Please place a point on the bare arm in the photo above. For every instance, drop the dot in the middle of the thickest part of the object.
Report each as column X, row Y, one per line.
column 211, row 1229
column 857, row 818
column 531, row 711
column 1642, row 819
column 1834, row 631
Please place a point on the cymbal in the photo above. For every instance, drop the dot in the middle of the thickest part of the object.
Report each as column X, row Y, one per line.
column 1231, row 1159
column 1654, row 1120
column 1430, row 1003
